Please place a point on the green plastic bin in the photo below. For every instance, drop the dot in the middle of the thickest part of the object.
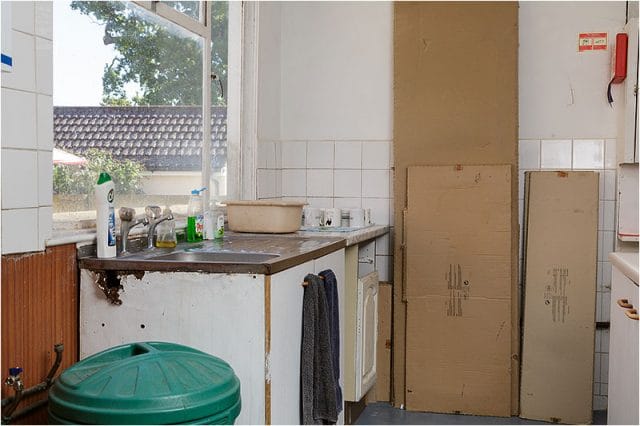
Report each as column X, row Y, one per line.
column 146, row 383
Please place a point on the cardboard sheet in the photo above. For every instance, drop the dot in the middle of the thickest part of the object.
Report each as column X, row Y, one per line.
column 559, row 296
column 455, row 102
column 459, row 289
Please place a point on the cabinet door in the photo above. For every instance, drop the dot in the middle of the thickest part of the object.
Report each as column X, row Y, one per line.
column 367, row 326
column 623, row 354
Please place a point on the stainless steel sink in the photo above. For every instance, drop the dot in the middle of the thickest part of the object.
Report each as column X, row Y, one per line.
column 216, row 257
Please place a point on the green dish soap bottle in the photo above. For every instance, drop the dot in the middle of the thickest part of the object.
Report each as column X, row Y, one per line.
column 195, row 216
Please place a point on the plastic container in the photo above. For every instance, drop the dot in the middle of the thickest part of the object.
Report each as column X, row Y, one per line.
column 105, row 217
column 214, row 223
column 275, row 217
column 146, row 383
column 166, row 232
column 195, row 216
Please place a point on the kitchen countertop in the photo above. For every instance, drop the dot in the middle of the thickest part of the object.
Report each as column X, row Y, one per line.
column 352, row 236
column 627, row 263
column 292, row 249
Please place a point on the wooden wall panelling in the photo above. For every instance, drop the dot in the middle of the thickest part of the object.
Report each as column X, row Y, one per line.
column 39, row 309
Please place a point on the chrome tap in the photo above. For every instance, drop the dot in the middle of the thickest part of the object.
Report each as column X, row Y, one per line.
column 128, row 221
column 154, row 217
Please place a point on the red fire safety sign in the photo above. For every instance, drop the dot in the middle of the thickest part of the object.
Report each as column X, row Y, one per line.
column 592, row 41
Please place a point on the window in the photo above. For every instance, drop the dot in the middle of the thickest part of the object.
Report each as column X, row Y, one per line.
column 128, row 99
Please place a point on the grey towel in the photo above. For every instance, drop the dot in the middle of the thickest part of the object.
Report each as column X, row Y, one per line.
column 331, row 291
column 316, row 366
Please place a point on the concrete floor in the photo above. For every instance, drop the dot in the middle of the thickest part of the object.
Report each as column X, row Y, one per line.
column 381, row 413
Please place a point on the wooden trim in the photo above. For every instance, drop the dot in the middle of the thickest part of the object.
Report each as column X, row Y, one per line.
column 267, row 349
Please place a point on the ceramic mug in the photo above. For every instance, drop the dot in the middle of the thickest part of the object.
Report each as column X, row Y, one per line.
column 332, row 217
column 356, row 218
column 313, row 217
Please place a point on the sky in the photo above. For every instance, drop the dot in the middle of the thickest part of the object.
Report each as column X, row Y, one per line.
column 79, row 56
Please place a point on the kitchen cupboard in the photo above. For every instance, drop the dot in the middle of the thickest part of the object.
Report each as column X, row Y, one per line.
column 252, row 321
column 623, row 343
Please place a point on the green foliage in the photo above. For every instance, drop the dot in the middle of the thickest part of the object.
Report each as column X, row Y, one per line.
column 164, row 62
column 127, row 175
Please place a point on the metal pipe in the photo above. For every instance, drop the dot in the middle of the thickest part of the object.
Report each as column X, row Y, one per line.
column 42, row 386
column 25, row 411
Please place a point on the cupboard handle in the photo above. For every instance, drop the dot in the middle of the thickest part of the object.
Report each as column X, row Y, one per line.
column 632, row 314
column 624, row 303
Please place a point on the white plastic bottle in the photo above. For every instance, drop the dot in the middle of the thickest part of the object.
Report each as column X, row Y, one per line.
column 105, row 217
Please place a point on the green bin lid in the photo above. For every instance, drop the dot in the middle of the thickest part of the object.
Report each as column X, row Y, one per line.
column 146, row 383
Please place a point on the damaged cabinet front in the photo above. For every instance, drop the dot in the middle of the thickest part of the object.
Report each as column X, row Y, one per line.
column 252, row 321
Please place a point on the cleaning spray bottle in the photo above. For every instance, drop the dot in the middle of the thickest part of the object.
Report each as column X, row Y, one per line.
column 105, row 217
column 195, row 216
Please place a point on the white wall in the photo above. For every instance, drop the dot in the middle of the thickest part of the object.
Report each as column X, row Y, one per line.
column 27, row 131
column 328, row 68
column 567, row 123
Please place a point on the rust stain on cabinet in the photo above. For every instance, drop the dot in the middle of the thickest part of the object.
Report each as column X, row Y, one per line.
column 39, row 309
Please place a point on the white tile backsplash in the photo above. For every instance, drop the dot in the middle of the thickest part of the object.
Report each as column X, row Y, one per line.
column 375, row 183
column 20, row 230
column 19, row 179
column 18, row 117
column 294, row 183
column 347, row 203
column 529, row 154
column 23, row 16
column 23, row 73
column 294, row 154
column 383, row 245
column 319, row 183
column 376, row 155
column 348, row 155
column 609, row 192
column 44, row 107
column 384, row 265
column 610, row 154
column 44, row 66
column 555, row 154
column 379, row 209
column 609, row 216
column 45, row 178
column 45, row 225
column 320, row 154
column 588, row 154
column 347, row 183
column 266, row 155
column 266, row 183
column 320, row 202
column 44, row 19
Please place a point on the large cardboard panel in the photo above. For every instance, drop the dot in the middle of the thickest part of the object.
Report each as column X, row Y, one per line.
column 455, row 102
column 459, row 289
column 559, row 296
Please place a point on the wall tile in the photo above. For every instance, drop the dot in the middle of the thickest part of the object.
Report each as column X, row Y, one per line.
column 376, row 155
column 44, row 106
column 588, row 154
column 609, row 185
column 529, row 154
column 294, row 154
column 319, row 183
column 606, row 306
column 348, row 203
column 599, row 269
column 23, row 16
column 347, row 183
column 601, row 215
column 596, row 367
column 555, row 154
column 19, row 179
column 44, row 19
column 599, row 402
column 266, row 155
column 384, row 265
column 278, row 148
column 610, row 154
column 606, row 276
column 320, row 155
column 379, row 209
column 320, row 202
column 604, row 345
column 598, row 340
column 44, row 66
column 45, row 225
column 604, row 369
column 294, row 183
column 383, row 245
column 375, row 183
column 19, row 230
column 604, row 388
column 348, row 155
column 23, row 74
column 18, row 119
column 266, row 183
column 609, row 215
column 607, row 246
column 45, row 178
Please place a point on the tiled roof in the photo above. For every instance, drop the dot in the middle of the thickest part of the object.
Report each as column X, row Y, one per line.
column 160, row 137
